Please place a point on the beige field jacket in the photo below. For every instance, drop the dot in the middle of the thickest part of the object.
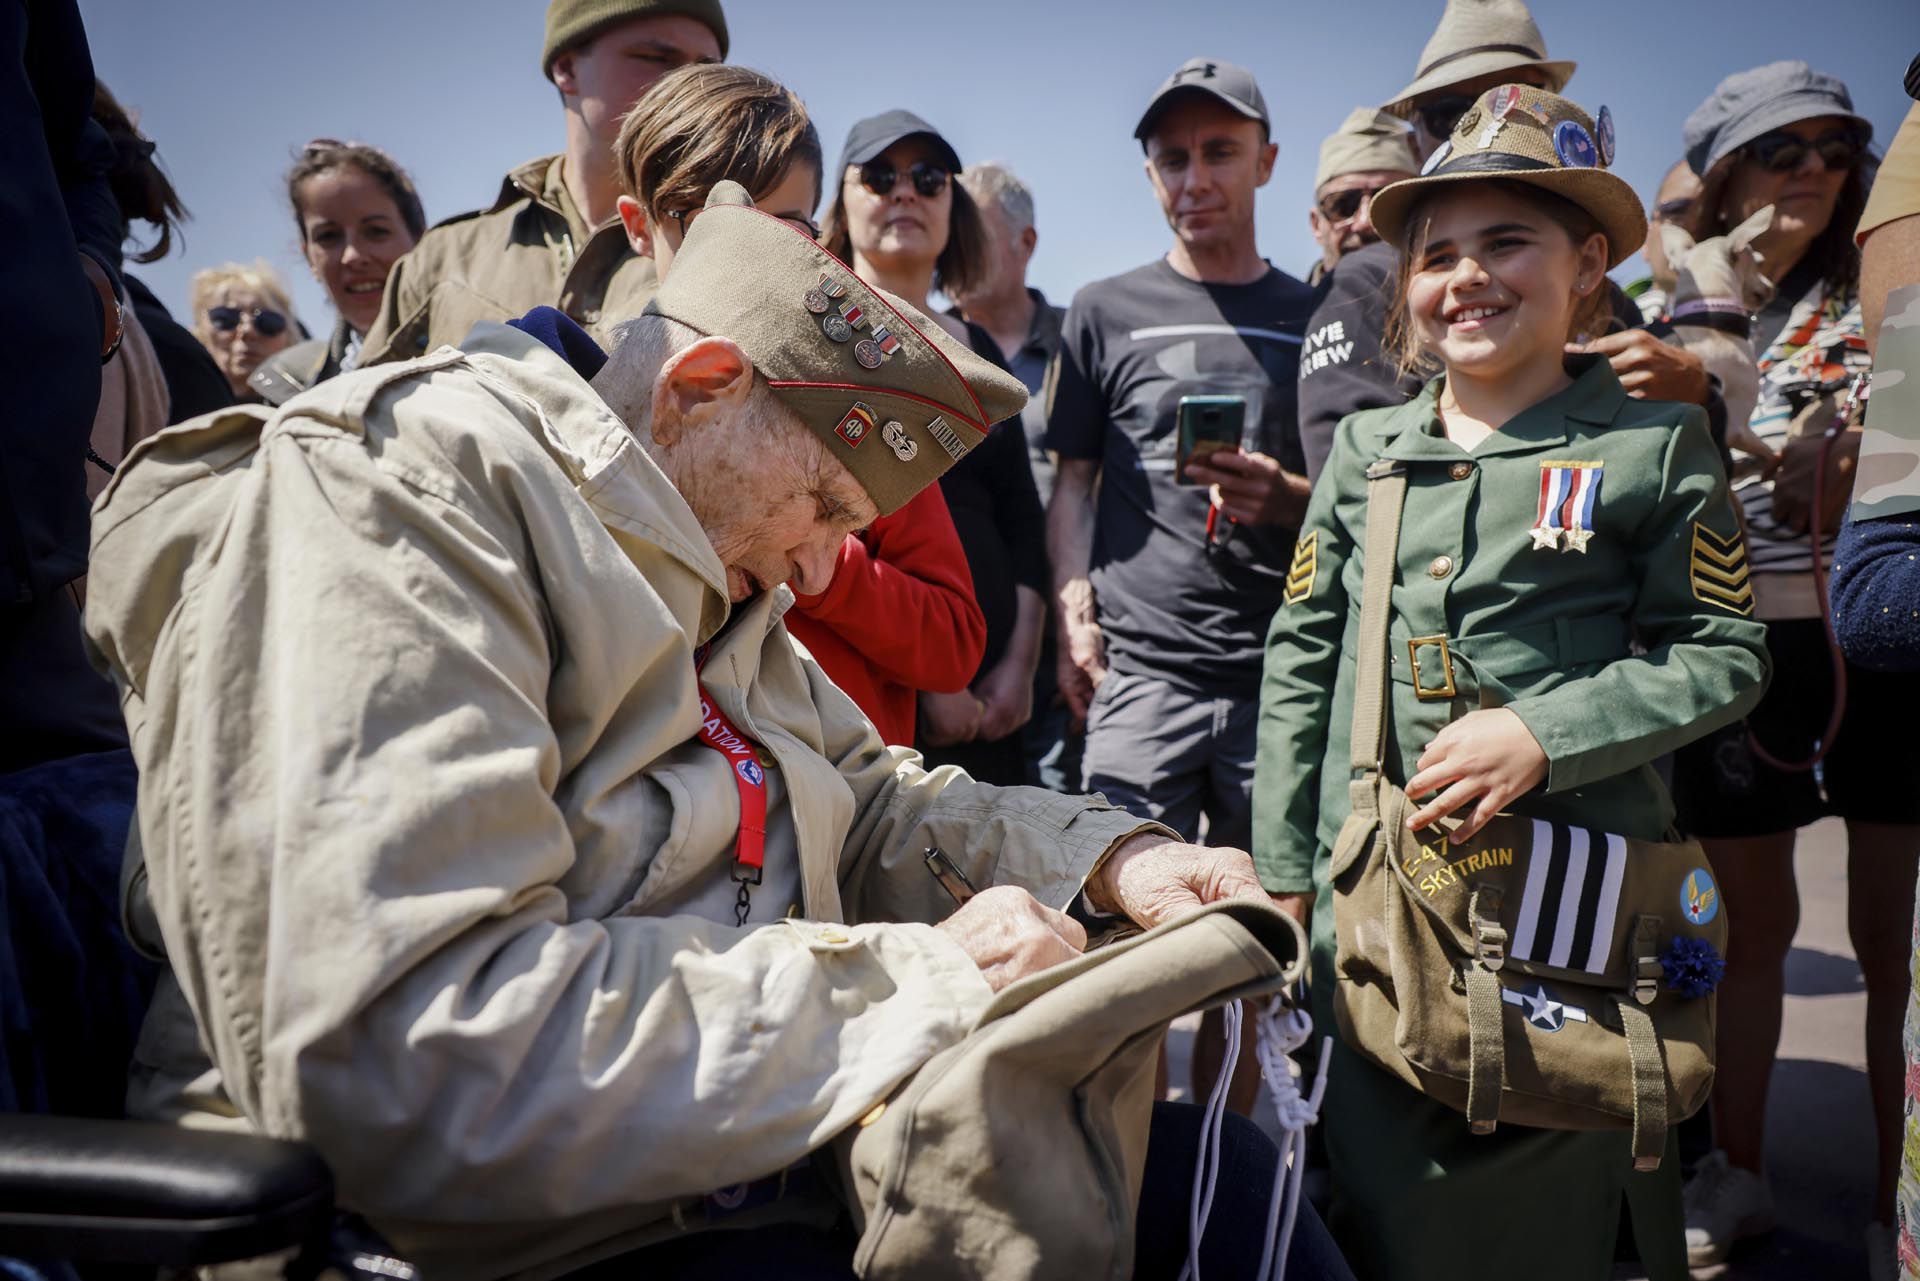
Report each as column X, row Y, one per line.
column 409, row 671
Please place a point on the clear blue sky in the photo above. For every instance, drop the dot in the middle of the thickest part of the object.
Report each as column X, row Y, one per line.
column 1049, row 87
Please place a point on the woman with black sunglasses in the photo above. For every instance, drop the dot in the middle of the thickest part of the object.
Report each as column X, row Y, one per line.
column 903, row 223
column 242, row 314
column 1787, row 136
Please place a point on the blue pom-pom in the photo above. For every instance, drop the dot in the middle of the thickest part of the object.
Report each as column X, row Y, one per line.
column 1691, row 966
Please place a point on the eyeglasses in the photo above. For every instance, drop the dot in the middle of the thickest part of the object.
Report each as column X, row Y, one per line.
column 1439, row 116
column 1783, row 152
column 878, row 176
column 267, row 322
column 1339, row 206
column 805, row 225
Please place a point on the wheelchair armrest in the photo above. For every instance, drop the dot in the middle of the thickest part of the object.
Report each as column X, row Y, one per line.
column 137, row 1192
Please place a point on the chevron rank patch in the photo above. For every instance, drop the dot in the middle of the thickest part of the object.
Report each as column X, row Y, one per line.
column 1306, row 563
column 1717, row 568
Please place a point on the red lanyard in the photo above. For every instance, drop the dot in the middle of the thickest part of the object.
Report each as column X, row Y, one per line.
column 749, row 779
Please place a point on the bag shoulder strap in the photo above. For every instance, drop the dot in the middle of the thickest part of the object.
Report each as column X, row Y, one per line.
column 1386, row 494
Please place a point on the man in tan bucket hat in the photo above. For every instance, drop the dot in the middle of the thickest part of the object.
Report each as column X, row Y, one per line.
column 501, row 841
column 1478, row 44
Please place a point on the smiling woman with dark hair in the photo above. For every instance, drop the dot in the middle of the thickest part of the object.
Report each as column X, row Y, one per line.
column 357, row 212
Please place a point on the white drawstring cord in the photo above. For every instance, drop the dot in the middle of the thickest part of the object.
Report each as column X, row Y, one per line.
column 1207, row 1165
column 1279, row 1030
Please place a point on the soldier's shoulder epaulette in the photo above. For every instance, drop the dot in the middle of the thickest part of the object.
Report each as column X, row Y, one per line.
column 457, row 219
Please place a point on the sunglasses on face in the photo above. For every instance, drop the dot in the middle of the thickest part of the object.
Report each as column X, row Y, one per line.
column 1339, row 206
column 878, row 176
column 807, row 226
column 1783, row 152
column 267, row 322
column 1440, row 116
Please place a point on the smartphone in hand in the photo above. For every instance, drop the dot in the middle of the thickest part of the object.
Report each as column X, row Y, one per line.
column 1204, row 425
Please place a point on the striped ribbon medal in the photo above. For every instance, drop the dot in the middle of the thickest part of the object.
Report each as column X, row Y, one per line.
column 1569, row 494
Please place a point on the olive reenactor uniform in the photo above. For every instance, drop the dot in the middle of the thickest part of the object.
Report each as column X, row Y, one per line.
column 531, row 248
column 1505, row 619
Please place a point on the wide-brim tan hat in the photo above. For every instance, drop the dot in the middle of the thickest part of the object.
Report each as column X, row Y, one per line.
column 1523, row 134
column 1478, row 38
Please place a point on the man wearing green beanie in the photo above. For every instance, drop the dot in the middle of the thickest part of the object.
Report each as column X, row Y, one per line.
column 552, row 236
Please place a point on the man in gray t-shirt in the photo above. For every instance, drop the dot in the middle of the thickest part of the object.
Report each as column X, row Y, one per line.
column 1165, row 590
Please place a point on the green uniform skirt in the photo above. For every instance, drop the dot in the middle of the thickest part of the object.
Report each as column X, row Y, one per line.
column 1419, row 1197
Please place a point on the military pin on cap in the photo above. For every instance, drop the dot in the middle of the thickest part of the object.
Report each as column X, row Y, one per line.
column 836, row 328
column 867, row 352
column 1603, row 129
column 1505, row 99
column 816, row 301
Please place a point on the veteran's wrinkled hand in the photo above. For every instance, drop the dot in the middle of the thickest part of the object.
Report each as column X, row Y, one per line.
column 1011, row 934
column 1152, row 879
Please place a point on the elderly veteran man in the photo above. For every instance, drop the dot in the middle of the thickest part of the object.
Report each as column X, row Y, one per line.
column 552, row 237
column 502, row 843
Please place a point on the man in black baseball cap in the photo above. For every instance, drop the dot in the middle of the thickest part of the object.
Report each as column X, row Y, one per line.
column 1166, row 579
column 1225, row 81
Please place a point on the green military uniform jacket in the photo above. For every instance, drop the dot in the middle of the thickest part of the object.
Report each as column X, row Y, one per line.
column 1547, row 631
column 532, row 248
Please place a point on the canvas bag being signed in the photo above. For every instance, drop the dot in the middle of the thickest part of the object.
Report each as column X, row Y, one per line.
column 1019, row 1152
column 1518, row 976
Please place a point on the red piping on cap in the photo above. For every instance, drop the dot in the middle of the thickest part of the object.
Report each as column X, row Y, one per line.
column 779, row 384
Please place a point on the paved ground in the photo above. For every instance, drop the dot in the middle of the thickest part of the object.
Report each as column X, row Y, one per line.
column 1820, row 1135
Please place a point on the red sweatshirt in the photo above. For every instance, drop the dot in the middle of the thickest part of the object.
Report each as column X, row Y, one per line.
column 899, row 615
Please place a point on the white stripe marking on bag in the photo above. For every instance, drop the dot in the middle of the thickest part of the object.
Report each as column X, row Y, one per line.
column 1570, row 897
column 1609, row 906
column 1536, row 889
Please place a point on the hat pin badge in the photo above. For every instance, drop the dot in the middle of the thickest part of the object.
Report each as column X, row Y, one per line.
column 1603, row 134
column 1574, row 145
column 1505, row 99
column 867, row 352
column 904, row 447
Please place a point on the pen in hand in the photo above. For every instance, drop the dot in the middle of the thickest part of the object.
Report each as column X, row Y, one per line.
column 951, row 878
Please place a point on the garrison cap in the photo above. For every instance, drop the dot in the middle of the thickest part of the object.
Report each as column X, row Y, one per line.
column 574, row 22
column 1368, row 140
column 892, row 394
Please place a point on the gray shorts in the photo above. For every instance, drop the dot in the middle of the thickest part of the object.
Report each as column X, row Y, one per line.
column 1171, row 755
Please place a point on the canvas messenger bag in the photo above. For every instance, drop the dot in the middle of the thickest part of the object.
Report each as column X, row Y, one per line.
column 1542, row 974
column 1019, row 1152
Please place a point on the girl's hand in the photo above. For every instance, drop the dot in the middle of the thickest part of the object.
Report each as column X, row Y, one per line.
column 1490, row 754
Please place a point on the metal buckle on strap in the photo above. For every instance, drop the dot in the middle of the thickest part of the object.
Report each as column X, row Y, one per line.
column 1420, row 687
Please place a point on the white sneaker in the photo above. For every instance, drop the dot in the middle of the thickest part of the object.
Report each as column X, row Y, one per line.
column 1723, row 1205
column 1883, row 1262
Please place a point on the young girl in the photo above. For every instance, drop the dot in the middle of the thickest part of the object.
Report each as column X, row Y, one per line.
column 1549, row 522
